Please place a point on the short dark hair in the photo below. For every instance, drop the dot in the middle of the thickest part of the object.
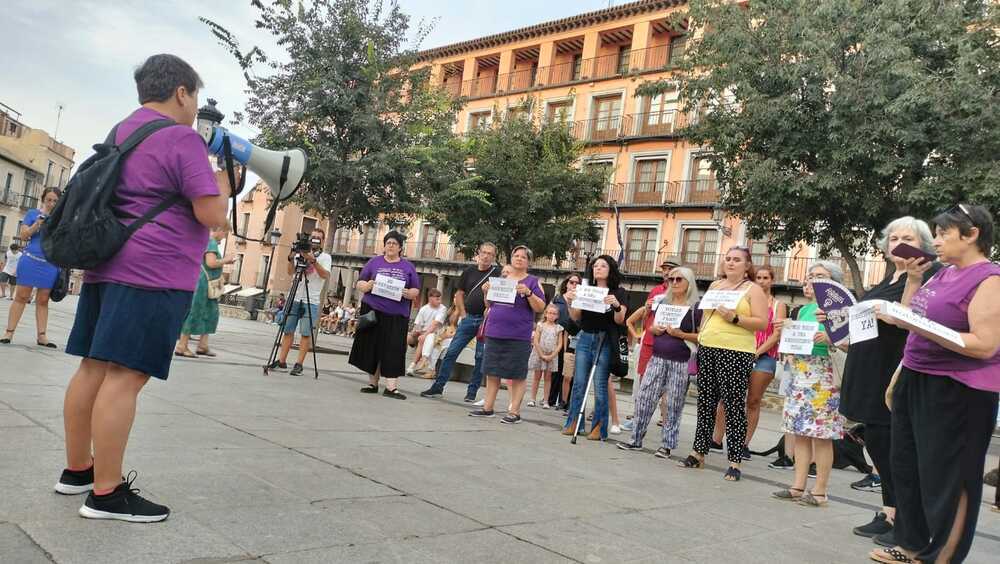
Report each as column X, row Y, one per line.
column 965, row 217
column 161, row 75
column 394, row 235
column 614, row 275
column 433, row 293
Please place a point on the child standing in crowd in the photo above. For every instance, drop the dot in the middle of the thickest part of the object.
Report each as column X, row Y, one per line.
column 548, row 342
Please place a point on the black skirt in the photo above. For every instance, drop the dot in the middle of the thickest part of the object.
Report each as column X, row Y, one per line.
column 382, row 347
column 506, row 358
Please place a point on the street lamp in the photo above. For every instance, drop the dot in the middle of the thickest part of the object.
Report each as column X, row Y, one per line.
column 274, row 236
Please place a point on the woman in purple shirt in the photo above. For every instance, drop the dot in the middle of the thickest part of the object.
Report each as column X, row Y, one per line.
column 381, row 350
column 508, row 336
column 943, row 397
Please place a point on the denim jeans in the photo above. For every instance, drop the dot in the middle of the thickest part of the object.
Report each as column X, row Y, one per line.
column 586, row 351
column 465, row 332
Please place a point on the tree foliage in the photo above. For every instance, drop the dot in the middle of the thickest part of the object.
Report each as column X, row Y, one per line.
column 828, row 119
column 523, row 187
column 346, row 90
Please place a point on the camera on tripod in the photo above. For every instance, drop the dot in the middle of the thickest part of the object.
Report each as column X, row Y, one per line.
column 303, row 243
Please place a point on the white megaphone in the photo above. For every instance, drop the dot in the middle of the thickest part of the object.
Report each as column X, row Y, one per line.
column 282, row 171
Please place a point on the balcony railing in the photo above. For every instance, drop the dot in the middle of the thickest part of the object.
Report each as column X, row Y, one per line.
column 28, row 202
column 641, row 193
column 598, row 130
column 652, row 124
column 454, row 88
column 8, row 198
column 516, row 81
column 700, row 191
column 482, row 87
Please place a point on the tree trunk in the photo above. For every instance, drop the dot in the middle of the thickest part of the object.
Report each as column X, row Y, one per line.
column 852, row 265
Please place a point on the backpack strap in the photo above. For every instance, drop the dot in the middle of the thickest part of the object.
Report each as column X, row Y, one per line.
column 151, row 214
column 144, row 131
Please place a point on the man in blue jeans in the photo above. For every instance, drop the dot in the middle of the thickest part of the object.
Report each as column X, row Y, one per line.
column 471, row 305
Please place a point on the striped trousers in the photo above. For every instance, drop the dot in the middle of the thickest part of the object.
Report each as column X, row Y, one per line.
column 661, row 377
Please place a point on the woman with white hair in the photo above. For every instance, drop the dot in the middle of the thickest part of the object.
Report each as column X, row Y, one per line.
column 811, row 404
column 667, row 371
column 869, row 368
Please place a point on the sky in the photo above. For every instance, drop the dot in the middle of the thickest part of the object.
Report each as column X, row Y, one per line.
column 82, row 54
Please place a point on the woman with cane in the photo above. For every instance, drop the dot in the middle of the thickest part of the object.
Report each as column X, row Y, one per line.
column 593, row 347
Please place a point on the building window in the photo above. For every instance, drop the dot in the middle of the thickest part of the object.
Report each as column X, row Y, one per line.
column 237, row 270
column 702, row 188
column 577, row 66
column 763, row 257
column 62, row 177
column 428, row 241
column 48, row 174
column 368, row 238
column 640, row 249
column 559, row 111
column 650, row 181
column 308, row 225
column 678, row 44
column 698, row 250
column 607, row 118
column 658, row 118
column 245, row 225
column 479, row 120
column 623, row 57
column 342, row 240
column 8, row 183
column 262, row 273
column 3, row 240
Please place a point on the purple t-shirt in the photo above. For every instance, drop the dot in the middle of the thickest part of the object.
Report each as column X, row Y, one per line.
column 673, row 348
column 400, row 270
column 514, row 321
column 166, row 253
column 945, row 299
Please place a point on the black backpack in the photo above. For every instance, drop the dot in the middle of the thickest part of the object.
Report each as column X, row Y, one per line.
column 83, row 231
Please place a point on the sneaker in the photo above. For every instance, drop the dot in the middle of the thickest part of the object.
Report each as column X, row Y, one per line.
column 394, row 394
column 870, row 483
column 662, row 452
column 782, row 463
column 296, row 370
column 629, row 446
column 431, row 393
column 812, row 473
column 481, row 413
column 746, row 453
column 511, row 419
column 886, row 539
column 277, row 365
column 546, row 406
column 469, row 399
column 74, row 482
column 480, row 403
column 712, row 445
column 615, row 430
column 124, row 504
column 878, row 526
column 531, row 403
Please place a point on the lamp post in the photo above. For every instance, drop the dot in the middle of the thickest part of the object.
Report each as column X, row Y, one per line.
column 274, row 237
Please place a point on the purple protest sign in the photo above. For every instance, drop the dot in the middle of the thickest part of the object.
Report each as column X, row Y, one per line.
column 835, row 300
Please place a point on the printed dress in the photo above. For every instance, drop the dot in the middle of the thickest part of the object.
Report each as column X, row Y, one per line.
column 548, row 340
column 812, row 396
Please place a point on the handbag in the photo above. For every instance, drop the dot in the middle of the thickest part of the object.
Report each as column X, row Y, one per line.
column 215, row 286
column 61, row 287
column 618, row 341
column 366, row 321
column 481, row 332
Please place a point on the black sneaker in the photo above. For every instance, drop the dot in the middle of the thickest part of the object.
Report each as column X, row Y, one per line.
column 296, row 370
column 782, row 463
column 878, row 526
column 394, row 394
column 481, row 413
column 712, row 445
column 511, row 419
column 431, row 393
column 468, row 399
column 370, row 389
column 746, row 453
column 277, row 365
column 662, row 452
column 629, row 446
column 812, row 473
column 886, row 539
column 870, row 483
column 74, row 482
column 124, row 504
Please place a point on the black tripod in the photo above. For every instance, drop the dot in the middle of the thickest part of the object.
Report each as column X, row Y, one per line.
column 300, row 270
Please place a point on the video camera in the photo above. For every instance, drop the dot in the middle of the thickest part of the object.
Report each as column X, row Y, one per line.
column 305, row 243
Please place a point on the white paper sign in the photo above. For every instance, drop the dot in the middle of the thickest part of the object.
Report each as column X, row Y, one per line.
column 863, row 323
column 591, row 298
column 725, row 298
column 797, row 337
column 388, row 287
column 670, row 315
column 903, row 314
column 503, row 290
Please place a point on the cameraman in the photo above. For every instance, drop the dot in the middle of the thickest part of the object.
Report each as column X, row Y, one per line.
column 317, row 271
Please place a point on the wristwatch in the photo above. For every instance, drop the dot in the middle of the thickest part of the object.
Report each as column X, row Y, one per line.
column 736, row 320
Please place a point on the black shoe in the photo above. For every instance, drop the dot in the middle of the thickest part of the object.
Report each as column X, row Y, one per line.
column 662, row 452
column 124, row 504
column 468, row 399
column 394, row 394
column 712, row 445
column 481, row 413
column 277, row 365
column 370, row 389
column 887, row 539
column 746, row 453
column 870, row 483
column 878, row 526
column 511, row 419
column 73, row 482
column 782, row 463
column 431, row 393
column 629, row 446
column 812, row 472
column 296, row 370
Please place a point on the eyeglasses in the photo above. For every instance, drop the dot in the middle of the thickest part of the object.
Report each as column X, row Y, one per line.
column 817, row 277
column 675, row 279
column 572, row 281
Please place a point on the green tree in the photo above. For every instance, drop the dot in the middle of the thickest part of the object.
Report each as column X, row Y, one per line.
column 828, row 119
column 348, row 90
column 523, row 186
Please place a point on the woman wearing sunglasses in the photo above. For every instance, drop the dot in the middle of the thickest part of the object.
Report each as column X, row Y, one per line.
column 563, row 378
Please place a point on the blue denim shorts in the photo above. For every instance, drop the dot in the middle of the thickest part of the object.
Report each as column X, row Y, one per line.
column 131, row 327
column 766, row 363
column 299, row 316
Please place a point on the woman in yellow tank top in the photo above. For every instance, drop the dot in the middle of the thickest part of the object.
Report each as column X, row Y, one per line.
column 726, row 356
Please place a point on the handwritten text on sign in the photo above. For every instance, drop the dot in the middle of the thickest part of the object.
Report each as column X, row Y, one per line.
column 725, row 298
column 797, row 337
column 670, row 315
column 863, row 323
column 388, row 287
column 591, row 298
column 502, row 290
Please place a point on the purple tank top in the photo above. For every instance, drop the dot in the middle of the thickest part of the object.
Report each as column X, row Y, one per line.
column 945, row 299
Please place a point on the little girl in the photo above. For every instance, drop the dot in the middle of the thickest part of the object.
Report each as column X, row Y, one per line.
column 548, row 340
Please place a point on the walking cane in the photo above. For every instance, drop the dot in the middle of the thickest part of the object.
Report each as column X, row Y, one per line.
column 586, row 392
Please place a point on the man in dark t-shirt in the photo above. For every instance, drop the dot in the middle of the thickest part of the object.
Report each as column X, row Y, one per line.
column 471, row 305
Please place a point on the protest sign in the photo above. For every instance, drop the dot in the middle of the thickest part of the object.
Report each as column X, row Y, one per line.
column 725, row 298
column 670, row 315
column 591, row 298
column 797, row 337
column 388, row 287
column 503, row 290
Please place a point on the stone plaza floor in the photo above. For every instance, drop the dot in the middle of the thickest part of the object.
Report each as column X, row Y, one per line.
column 284, row 469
